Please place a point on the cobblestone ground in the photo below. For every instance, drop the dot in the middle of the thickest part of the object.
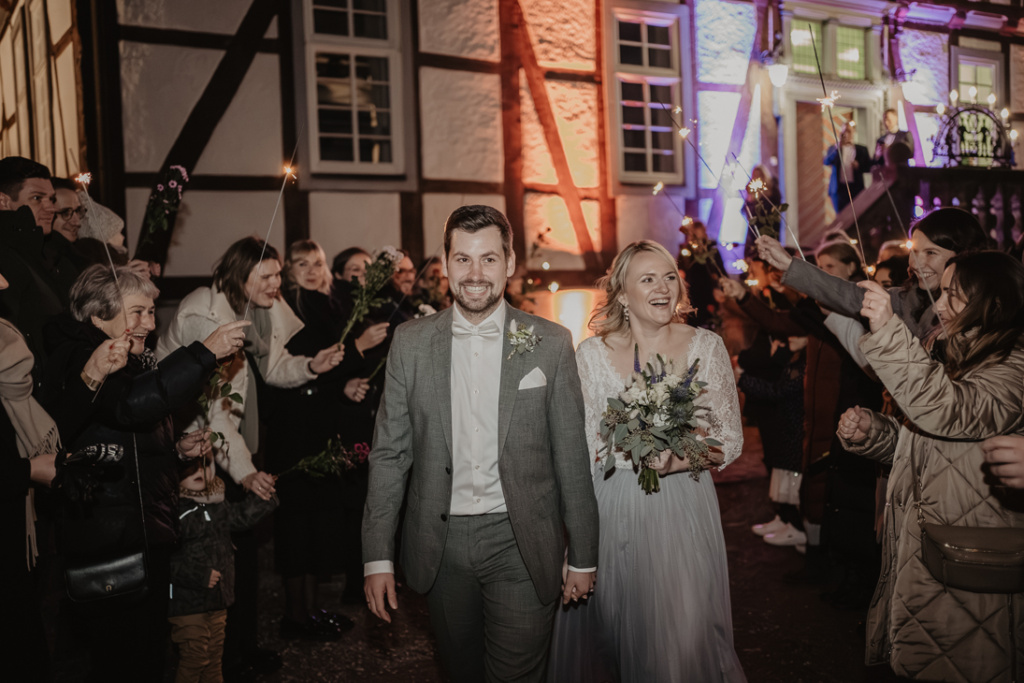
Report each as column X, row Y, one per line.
column 783, row 632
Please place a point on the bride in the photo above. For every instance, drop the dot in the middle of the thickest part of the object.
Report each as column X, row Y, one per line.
column 661, row 611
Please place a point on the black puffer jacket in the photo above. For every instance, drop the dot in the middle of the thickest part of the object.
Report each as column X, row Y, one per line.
column 132, row 409
column 206, row 529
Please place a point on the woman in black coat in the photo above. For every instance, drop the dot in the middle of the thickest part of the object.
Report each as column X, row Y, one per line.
column 123, row 418
column 310, row 528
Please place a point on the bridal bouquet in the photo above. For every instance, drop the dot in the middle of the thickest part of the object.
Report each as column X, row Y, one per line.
column 657, row 411
column 364, row 296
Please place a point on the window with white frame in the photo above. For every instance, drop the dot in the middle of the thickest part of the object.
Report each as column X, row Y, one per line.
column 647, row 97
column 847, row 44
column 354, row 86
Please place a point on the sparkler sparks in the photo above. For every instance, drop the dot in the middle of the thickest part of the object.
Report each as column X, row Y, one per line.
column 828, row 102
column 658, row 188
column 756, row 186
column 83, row 179
column 684, row 132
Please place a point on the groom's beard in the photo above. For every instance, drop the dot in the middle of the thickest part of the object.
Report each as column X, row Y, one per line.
column 477, row 305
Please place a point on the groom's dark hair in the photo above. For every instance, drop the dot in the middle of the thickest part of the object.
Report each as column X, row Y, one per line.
column 477, row 217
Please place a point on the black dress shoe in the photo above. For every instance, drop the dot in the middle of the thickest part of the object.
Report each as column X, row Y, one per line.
column 338, row 621
column 310, row 629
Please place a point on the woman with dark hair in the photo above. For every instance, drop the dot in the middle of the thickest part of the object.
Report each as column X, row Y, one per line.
column 121, row 419
column 936, row 238
column 924, row 629
column 246, row 284
column 310, row 539
column 893, row 271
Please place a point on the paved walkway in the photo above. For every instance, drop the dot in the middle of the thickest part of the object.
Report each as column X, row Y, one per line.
column 783, row 632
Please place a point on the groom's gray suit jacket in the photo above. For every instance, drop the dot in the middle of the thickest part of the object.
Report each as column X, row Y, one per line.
column 543, row 461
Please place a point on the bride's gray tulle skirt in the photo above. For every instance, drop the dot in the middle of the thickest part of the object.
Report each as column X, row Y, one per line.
column 661, row 611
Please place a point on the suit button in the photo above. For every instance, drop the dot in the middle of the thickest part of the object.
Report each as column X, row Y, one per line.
column 444, row 517
column 448, row 470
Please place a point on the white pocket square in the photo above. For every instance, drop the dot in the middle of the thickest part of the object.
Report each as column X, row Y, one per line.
column 535, row 378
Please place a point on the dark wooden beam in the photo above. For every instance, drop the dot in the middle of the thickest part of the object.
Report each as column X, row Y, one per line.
column 460, row 186
column 206, row 114
column 510, row 19
column 411, row 213
column 223, row 183
column 296, row 202
column 197, row 39
column 609, row 219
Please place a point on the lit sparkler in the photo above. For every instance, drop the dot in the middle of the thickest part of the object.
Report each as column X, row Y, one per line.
column 658, row 188
column 829, row 101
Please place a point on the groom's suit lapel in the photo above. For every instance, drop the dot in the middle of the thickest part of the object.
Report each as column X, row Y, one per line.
column 441, row 350
column 511, row 373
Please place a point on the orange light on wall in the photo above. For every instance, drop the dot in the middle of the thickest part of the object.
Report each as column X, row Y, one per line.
column 571, row 308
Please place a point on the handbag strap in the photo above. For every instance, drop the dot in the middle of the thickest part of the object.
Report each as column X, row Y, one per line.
column 138, row 488
column 917, row 489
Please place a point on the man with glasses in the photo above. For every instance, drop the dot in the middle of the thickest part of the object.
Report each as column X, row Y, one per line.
column 68, row 210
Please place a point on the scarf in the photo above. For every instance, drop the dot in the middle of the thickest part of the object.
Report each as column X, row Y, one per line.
column 36, row 431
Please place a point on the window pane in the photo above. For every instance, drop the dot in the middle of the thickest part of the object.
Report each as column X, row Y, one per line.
column 984, row 76
column 663, row 163
column 374, row 151
column 636, row 161
column 662, row 140
column 334, row 92
column 336, row 149
column 968, row 76
column 335, row 121
column 633, row 115
column 661, row 117
column 372, row 122
column 631, row 54
column 661, row 94
column 629, row 31
column 370, row 26
column 332, row 65
column 658, row 58
column 371, row 5
column 658, row 35
column 380, row 96
column 371, row 68
column 800, row 38
column 632, row 92
column 330, row 22
column 850, row 52
column 637, row 139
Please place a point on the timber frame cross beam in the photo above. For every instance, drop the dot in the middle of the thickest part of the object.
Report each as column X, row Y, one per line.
column 566, row 186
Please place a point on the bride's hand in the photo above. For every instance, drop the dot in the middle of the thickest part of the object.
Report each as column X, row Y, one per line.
column 668, row 462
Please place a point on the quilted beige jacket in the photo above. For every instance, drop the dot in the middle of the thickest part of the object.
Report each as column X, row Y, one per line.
column 925, row 631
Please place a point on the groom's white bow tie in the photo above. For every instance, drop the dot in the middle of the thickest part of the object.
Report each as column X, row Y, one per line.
column 489, row 329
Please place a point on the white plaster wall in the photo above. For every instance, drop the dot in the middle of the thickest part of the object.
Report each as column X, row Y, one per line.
column 160, row 84
column 716, row 116
column 725, row 34
column 247, row 141
column 339, row 220
column 208, row 223
column 575, row 108
column 65, row 112
column 436, row 209
column 59, row 12
column 562, row 32
column 646, row 217
column 461, row 118
column 460, row 28
column 928, row 53
column 561, row 249
column 1016, row 78
column 210, row 16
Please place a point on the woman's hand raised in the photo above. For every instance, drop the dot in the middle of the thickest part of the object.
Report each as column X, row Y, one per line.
column 327, row 359
column 731, row 288
column 108, row 358
column 373, row 336
column 774, row 253
column 854, row 424
column 227, row 339
column 877, row 304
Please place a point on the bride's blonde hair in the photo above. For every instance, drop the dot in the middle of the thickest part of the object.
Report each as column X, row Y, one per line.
column 610, row 316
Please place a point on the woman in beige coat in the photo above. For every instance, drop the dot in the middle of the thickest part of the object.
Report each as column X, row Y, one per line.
column 923, row 629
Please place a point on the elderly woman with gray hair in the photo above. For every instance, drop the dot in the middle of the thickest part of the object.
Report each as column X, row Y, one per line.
column 122, row 420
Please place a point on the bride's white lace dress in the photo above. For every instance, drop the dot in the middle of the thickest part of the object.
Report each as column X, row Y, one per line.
column 661, row 611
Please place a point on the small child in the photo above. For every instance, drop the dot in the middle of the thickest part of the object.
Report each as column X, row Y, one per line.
column 203, row 568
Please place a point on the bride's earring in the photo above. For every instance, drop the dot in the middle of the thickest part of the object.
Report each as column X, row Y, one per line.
column 625, row 311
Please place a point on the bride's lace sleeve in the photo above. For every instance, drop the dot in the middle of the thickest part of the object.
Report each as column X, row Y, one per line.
column 594, row 398
column 720, row 396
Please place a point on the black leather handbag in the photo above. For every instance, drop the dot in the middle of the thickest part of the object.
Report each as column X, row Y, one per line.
column 970, row 558
column 123, row 576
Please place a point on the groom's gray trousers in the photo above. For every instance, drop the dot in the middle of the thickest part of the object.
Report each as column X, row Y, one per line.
column 489, row 623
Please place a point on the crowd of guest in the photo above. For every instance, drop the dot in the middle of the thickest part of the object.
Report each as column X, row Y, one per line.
column 145, row 463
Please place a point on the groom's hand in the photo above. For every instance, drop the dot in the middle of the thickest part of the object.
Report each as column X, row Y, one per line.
column 578, row 585
column 376, row 586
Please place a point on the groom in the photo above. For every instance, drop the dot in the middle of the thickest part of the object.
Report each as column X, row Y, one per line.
column 489, row 436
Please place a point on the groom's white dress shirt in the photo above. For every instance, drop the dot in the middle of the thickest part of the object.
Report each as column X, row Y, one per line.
column 476, row 381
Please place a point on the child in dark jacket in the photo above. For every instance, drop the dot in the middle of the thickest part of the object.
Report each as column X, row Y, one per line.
column 203, row 568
